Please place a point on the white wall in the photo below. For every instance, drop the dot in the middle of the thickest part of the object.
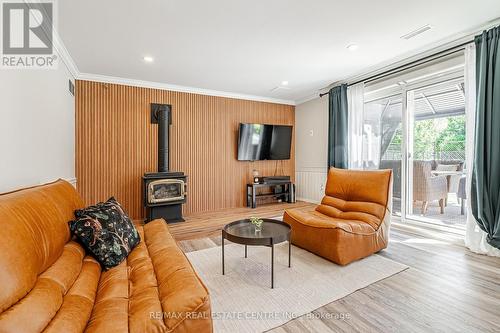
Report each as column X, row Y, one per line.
column 311, row 139
column 37, row 127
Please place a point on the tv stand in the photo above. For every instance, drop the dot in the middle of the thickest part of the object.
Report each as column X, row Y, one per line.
column 283, row 189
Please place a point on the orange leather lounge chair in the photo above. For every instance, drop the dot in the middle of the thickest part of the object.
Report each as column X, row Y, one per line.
column 48, row 283
column 353, row 219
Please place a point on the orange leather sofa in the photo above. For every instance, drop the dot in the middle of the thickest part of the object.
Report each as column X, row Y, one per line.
column 352, row 220
column 49, row 284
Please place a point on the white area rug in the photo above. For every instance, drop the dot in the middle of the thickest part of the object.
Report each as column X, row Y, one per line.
column 242, row 300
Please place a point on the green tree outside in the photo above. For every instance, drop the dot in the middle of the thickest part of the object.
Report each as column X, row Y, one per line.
column 435, row 138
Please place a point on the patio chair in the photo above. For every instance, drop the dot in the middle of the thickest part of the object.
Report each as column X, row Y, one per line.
column 427, row 187
column 450, row 165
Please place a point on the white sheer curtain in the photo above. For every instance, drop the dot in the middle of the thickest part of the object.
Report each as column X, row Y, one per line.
column 355, row 98
column 475, row 238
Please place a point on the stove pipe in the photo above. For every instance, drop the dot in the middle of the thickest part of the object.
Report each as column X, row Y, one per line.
column 161, row 114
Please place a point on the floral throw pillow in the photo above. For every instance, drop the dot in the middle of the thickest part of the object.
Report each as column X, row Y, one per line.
column 106, row 231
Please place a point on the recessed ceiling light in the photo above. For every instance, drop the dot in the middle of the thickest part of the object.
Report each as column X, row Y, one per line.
column 284, row 83
column 352, row 47
column 148, row 59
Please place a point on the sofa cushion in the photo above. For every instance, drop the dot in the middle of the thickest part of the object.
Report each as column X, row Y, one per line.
column 154, row 290
column 183, row 297
column 367, row 212
column 77, row 304
column 355, row 185
column 341, row 241
column 34, row 224
column 106, row 231
column 62, row 296
column 318, row 220
column 356, row 195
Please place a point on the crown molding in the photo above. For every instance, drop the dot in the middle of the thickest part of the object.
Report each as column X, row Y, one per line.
column 177, row 88
column 307, row 98
column 64, row 55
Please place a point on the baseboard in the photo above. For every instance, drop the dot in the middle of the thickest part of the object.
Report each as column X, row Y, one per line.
column 308, row 200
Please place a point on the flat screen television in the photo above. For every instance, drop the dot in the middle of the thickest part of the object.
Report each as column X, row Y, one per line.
column 264, row 142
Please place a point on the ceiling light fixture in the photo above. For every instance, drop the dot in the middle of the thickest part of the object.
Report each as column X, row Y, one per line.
column 352, row 47
column 284, row 83
column 148, row 59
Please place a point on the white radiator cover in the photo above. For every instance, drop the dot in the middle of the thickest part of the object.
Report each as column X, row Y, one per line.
column 310, row 185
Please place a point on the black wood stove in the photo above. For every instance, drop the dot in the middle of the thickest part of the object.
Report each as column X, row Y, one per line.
column 164, row 191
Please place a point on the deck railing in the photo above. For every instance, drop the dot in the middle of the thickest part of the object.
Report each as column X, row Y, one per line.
column 454, row 150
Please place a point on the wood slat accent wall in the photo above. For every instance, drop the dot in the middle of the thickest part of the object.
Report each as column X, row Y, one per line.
column 116, row 144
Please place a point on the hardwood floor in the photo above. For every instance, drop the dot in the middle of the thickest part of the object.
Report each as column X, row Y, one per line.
column 211, row 223
column 446, row 289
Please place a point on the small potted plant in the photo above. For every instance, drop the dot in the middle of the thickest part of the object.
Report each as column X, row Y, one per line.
column 257, row 223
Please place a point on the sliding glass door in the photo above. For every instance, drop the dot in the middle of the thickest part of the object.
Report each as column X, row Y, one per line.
column 417, row 128
column 436, row 153
column 382, row 144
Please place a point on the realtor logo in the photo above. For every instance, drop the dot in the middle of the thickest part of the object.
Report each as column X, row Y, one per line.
column 27, row 35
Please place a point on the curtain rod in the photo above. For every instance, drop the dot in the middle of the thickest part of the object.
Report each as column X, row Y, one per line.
column 421, row 61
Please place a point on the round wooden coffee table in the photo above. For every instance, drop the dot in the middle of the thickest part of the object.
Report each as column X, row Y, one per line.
column 243, row 232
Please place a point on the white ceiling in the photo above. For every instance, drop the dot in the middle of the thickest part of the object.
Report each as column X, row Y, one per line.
column 250, row 47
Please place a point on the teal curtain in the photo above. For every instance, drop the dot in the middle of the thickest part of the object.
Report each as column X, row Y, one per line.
column 337, row 127
column 485, row 192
